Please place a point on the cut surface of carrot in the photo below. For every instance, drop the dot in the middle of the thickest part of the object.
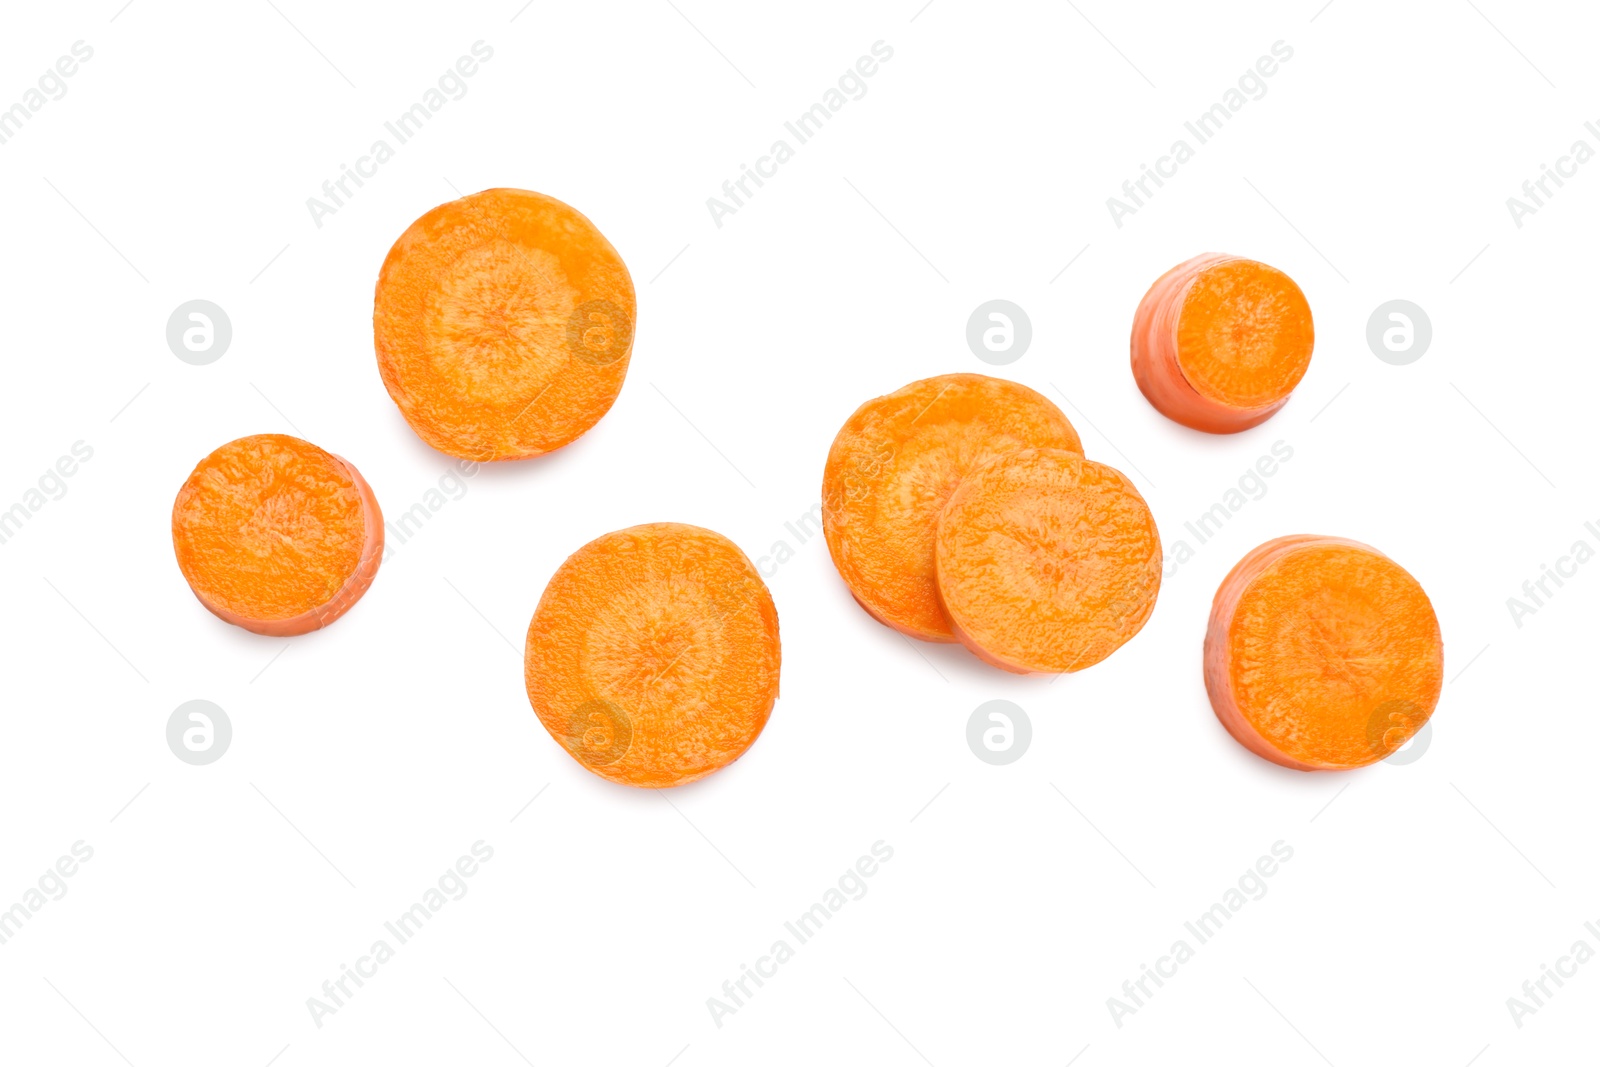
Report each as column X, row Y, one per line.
column 1322, row 653
column 277, row 536
column 893, row 467
column 653, row 655
column 1047, row 561
column 503, row 324
column 1219, row 342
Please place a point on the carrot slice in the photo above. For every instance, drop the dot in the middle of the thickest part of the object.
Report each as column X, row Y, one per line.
column 1047, row 561
column 893, row 467
column 1220, row 342
column 1322, row 653
column 503, row 323
column 277, row 536
column 653, row 655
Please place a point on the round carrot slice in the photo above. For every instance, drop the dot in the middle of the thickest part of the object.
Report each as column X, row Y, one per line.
column 276, row 535
column 1220, row 342
column 503, row 323
column 1047, row 561
column 1322, row 654
column 893, row 467
column 653, row 655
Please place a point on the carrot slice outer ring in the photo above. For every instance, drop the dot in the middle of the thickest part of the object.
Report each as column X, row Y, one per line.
column 503, row 324
column 190, row 508
column 1047, row 562
column 1157, row 354
column 891, row 470
column 653, row 656
column 1345, row 676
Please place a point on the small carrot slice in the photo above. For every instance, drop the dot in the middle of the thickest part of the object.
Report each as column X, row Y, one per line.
column 893, row 467
column 277, row 536
column 1220, row 342
column 503, row 324
column 1322, row 653
column 1047, row 561
column 653, row 655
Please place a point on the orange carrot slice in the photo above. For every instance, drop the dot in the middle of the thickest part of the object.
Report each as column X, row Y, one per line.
column 503, row 323
column 891, row 470
column 1220, row 342
column 1322, row 653
column 653, row 655
column 277, row 536
column 1047, row 561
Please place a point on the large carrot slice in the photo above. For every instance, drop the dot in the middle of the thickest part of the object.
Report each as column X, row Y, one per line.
column 653, row 655
column 893, row 467
column 276, row 535
column 1322, row 653
column 1047, row 561
column 503, row 323
column 1220, row 342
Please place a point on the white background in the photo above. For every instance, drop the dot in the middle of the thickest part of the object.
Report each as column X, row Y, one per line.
column 368, row 757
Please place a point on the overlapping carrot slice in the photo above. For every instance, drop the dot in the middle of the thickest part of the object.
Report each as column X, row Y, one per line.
column 1322, row 653
column 653, row 655
column 1047, row 561
column 1220, row 342
column 893, row 467
column 503, row 324
column 275, row 535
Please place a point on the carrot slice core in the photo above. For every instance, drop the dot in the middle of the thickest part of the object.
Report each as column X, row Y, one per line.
column 1322, row 653
column 276, row 535
column 893, row 467
column 503, row 324
column 1047, row 561
column 653, row 655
